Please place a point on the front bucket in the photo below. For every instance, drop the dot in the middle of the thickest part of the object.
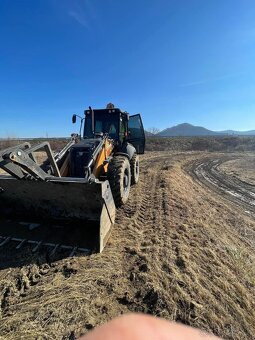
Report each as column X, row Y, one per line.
column 75, row 202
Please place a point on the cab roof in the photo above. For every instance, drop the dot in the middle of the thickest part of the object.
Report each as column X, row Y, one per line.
column 105, row 111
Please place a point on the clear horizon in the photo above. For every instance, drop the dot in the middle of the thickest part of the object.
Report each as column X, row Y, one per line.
column 171, row 61
column 209, row 128
column 147, row 129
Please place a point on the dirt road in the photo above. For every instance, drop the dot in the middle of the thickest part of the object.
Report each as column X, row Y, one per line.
column 207, row 170
column 179, row 250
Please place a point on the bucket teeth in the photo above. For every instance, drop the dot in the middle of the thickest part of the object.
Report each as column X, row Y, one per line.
column 54, row 250
column 21, row 244
column 73, row 251
column 5, row 241
column 37, row 247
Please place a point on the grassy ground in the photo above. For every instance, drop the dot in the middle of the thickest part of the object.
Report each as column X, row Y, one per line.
column 56, row 144
column 242, row 168
column 225, row 144
column 178, row 250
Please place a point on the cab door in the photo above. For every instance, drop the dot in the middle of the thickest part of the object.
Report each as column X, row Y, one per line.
column 136, row 134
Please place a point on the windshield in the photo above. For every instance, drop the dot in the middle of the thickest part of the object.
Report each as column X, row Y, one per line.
column 103, row 122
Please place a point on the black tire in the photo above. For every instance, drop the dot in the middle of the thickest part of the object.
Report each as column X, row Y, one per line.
column 119, row 177
column 135, row 169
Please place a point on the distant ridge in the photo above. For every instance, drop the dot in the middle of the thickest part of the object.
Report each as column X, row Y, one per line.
column 189, row 130
column 239, row 133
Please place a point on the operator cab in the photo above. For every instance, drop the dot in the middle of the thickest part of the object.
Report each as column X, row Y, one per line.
column 106, row 121
column 118, row 125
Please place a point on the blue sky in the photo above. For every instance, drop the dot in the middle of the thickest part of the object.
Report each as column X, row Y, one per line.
column 174, row 61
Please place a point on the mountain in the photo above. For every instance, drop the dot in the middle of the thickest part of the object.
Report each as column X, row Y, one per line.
column 186, row 130
column 189, row 130
column 239, row 133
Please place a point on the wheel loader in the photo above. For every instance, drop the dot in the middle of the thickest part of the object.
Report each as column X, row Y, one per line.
column 79, row 186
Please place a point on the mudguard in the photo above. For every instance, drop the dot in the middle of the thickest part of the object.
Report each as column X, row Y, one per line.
column 127, row 150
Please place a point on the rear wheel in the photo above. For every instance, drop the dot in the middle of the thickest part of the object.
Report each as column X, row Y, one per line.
column 119, row 177
column 134, row 165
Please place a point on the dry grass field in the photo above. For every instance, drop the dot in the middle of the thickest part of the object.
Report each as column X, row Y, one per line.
column 242, row 168
column 182, row 248
column 220, row 144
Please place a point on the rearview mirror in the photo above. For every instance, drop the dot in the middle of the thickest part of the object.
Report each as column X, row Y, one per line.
column 74, row 119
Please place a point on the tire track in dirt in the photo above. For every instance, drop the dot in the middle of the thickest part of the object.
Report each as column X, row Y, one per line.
column 206, row 171
column 148, row 215
column 141, row 205
column 143, row 218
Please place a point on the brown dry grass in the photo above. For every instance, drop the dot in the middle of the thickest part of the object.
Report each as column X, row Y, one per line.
column 242, row 168
column 56, row 143
column 218, row 144
column 177, row 251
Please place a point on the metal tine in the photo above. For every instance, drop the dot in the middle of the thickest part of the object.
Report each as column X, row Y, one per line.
column 21, row 243
column 84, row 250
column 73, row 251
column 54, row 249
column 37, row 247
column 6, row 240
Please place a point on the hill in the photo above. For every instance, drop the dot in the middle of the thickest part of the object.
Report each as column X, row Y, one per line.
column 239, row 133
column 186, row 129
column 189, row 130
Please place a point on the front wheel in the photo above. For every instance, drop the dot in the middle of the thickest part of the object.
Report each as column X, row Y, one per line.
column 119, row 177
